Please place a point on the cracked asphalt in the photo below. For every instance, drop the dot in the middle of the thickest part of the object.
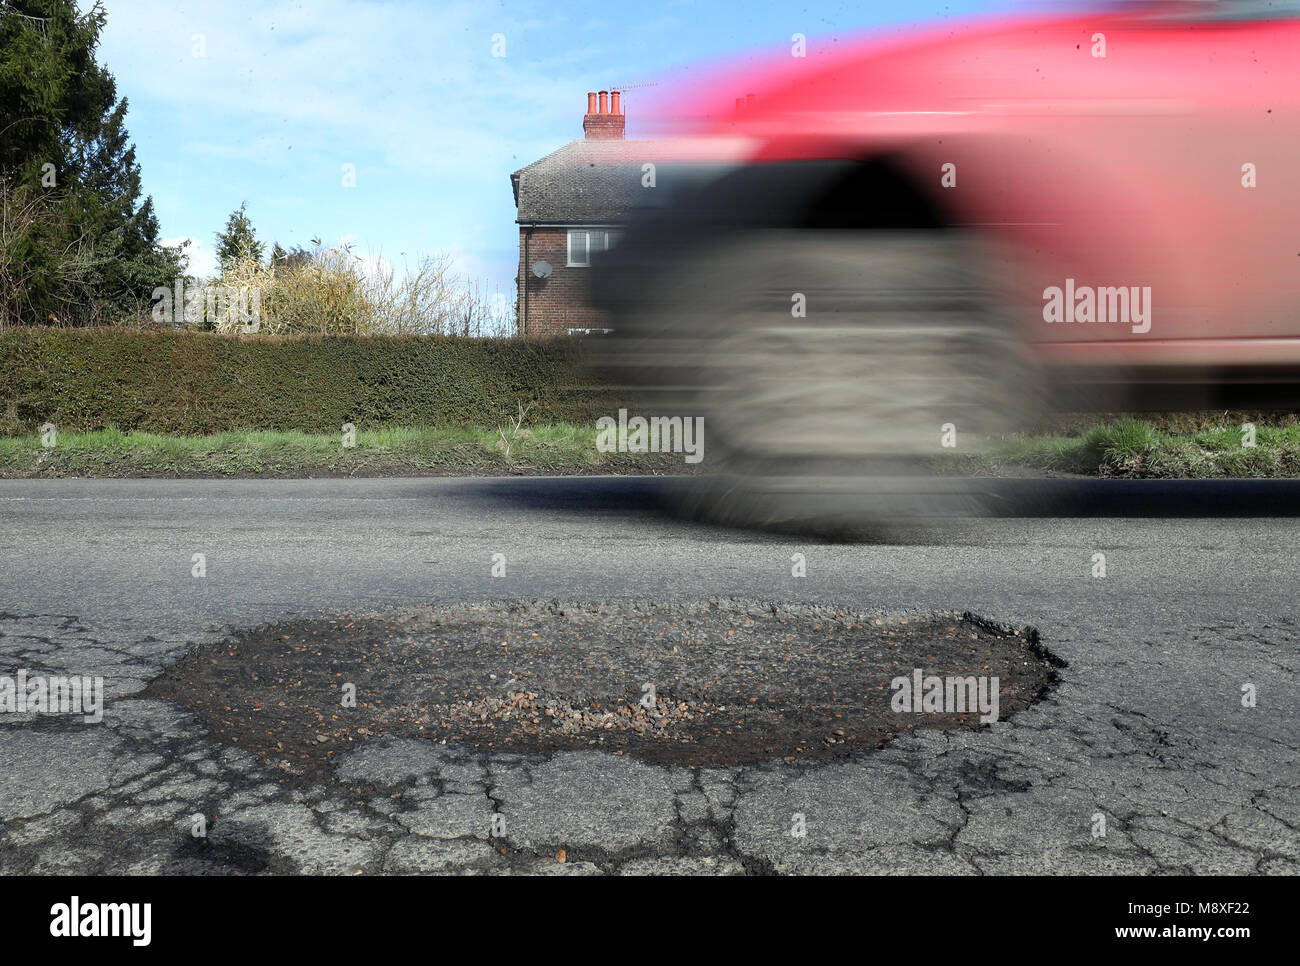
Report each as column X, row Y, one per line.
column 1145, row 735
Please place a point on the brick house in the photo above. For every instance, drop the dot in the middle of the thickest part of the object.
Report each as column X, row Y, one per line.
column 571, row 205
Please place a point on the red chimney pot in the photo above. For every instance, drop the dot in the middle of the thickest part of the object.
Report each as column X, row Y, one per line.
column 604, row 121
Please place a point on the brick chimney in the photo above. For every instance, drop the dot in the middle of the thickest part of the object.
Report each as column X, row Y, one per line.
column 604, row 120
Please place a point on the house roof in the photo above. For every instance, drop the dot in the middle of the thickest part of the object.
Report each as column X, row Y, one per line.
column 585, row 182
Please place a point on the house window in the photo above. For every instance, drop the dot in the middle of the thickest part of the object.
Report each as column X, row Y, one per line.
column 584, row 241
column 580, row 248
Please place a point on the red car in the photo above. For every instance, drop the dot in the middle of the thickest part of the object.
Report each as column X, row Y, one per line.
column 939, row 237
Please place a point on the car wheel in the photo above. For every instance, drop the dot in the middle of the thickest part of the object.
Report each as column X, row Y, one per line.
column 846, row 378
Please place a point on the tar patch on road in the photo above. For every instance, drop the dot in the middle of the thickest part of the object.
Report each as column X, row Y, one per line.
column 718, row 683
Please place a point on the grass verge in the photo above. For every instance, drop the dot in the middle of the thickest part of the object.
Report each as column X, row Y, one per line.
column 1122, row 447
column 558, row 449
column 1141, row 449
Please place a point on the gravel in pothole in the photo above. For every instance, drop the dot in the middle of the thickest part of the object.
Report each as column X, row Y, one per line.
column 733, row 683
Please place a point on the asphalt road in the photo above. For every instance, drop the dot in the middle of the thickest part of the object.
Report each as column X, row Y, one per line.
column 1145, row 734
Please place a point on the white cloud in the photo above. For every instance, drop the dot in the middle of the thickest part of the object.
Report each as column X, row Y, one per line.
column 203, row 260
column 414, row 81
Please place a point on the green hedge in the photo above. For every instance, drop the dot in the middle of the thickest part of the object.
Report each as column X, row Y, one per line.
column 192, row 383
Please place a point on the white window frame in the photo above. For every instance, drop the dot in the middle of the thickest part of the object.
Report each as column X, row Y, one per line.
column 598, row 239
column 586, row 239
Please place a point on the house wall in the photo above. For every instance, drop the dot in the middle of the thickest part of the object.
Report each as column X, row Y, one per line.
column 559, row 303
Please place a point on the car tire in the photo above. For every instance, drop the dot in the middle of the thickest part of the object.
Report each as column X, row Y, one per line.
column 832, row 368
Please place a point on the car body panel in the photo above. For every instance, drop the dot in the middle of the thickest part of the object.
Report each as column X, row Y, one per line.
column 1123, row 170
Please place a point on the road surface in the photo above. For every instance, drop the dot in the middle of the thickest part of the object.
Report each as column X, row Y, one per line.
column 1146, row 738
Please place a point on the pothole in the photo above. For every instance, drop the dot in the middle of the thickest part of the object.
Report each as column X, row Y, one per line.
column 708, row 684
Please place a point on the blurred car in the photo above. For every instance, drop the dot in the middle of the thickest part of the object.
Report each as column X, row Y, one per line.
column 942, row 237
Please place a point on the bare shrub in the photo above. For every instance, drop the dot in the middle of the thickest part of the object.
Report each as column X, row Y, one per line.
column 331, row 291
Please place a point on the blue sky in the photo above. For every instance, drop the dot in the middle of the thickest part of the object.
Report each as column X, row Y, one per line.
column 264, row 101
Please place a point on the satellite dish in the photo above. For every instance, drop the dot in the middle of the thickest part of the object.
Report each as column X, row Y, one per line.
column 542, row 268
